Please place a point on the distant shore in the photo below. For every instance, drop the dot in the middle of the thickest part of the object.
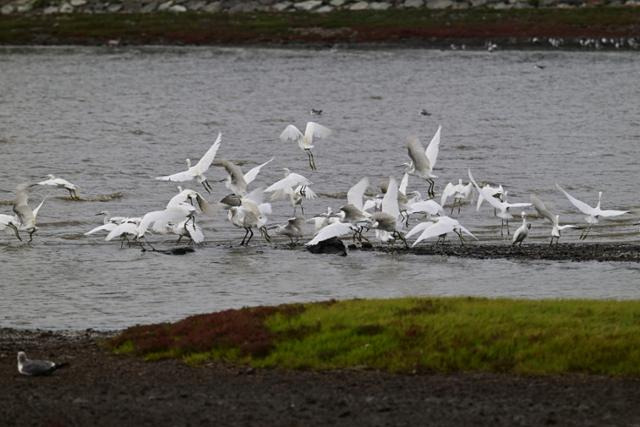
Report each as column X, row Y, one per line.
column 589, row 28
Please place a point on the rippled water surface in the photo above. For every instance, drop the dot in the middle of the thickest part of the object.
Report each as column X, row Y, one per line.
column 111, row 120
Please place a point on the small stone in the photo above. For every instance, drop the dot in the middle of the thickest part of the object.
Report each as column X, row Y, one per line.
column 361, row 5
column 307, row 5
column 177, row 8
column 243, row 7
column 24, row 8
column 115, row 8
column 76, row 3
column 7, row 9
column 149, row 7
column 413, row 3
column 324, row 9
column 212, row 7
column 379, row 6
column 196, row 4
column 337, row 3
column 50, row 10
column 281, row 7
column 66, row 8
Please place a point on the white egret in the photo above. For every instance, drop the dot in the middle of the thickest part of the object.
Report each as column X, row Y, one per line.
column 25, row 215
column 194, row 198
column 322, row 220
column 251, row 213
column 123, row 231
column 423, row 161
column 61, row 183
column 593, row 214
column 293, row 229
column 189, row 229
column 501, row 207
column 386, row 222
column 522, row 232
column 430, row 207
column 305, row 142
column 440, row 228
column 460, row 193
column 236, row 181
column 197, row 171
column 497, row 192
column 294, row 186
column 554, row 219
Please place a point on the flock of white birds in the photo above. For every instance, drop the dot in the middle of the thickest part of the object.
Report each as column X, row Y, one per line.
column 387, row 214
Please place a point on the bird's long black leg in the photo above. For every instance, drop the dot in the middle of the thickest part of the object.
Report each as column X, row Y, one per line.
column 302, row 208
column 313, row 161
column 246, row 232
column 31, row 235
column 250, row 236
column 453, row 206
column 460, row 237
column 501, row 227
column 179, row 239
column 508, row 232
column 15, row 230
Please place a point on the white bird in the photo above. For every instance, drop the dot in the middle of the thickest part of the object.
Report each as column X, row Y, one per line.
column 123, row 231
column 522, row 232
column 337, row 229
column 197, row 171
column 61, row 183
column 440, row 228
column 294, row 186
column 423, row 161
column 501, row 207
column 593, row 214
column 386, row 222
column 322, row 220
column 305, row 142
column 236, row 181
column 158, row 221
column 430, row 207
column 108, row 224
column 293, row 229
column 25, row 215
column 459, row 192
column 554, row 219
column 251, row 213
column 12, row 222
column 189, row 229
column 36, row 367
column 497, row 192
column 192, row 197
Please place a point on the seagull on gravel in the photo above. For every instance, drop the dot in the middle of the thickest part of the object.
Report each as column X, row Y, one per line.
column 199, row 169
column 305, row 141
column 36, row 367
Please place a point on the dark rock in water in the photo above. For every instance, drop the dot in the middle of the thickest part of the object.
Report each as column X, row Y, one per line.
column 329, row 246
column 173, row 251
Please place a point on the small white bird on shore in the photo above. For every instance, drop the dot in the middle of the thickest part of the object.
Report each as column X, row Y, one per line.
column 305, row 141
column 61, row 183
column 197, row 171
column 522, row 232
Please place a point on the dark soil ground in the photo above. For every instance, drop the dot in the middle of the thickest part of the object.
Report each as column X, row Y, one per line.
column 102, row 389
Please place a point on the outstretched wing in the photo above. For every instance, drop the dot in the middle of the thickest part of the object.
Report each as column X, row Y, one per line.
column 419, row 228
column 290, row 133
column 433, row 148
column 417, row 155
column 582, row 206
column 435, row 230
column 207, row 159
column 288, row 182
column 449, row 190
column 609, row 213
column 177, row 177
column 314, row 130
column 110, row 226
column 486, row 194
column 253, row 173
column 336, row 229
column 356, row 193
column 428, row 206
column 390, row 199
column 404, row 182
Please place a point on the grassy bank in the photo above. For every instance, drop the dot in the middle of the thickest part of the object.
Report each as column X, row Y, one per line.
column 408, row 335
column 395, row 26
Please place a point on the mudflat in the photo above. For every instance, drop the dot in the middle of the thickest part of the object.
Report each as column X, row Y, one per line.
column 99, row 388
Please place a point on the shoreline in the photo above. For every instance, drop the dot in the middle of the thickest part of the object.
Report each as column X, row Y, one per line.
column 589, row 28
column 102, row 389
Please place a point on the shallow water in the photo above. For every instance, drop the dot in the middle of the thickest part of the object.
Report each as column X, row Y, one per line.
column 111, row 120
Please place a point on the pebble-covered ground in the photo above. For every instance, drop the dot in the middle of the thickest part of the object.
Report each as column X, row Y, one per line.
column 98, row 388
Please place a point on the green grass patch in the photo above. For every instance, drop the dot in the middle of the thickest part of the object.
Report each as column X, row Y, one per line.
column 339, row 26
column 408, row 335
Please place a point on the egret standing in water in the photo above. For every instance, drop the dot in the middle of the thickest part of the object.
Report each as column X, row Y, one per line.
column 386, row 222
column 593, row 214
column 423, row 161
column 305, row 141
column 522, row 232
column 197, row 171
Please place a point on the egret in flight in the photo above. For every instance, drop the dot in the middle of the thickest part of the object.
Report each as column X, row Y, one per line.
column 440, row 228
column 593, row 214
column 459, row 192
column 305, row 141
column 554, row 219
column 61, row 183
column 197, row 171
column 11, row 222
column 237, row 181
column 386, row 222
column 294, row 186
column 25, row 215
column 423, row 161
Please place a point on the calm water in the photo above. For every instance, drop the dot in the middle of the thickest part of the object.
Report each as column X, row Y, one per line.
column 111, row 120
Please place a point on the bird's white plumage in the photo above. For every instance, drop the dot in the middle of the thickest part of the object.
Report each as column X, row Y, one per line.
column 250, row 176
column 390, row 200
column 355, row 195
column 337, row 229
